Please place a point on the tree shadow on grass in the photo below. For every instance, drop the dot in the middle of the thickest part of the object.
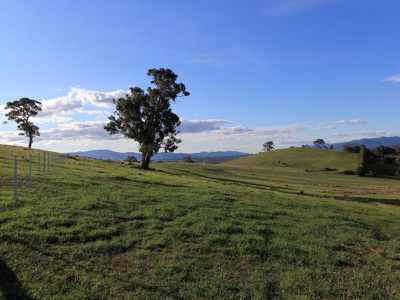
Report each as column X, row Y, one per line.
column 10, row 287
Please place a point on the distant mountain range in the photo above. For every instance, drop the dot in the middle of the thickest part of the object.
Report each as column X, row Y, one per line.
column 120, row 156
column 372, row 142
column 205, row 156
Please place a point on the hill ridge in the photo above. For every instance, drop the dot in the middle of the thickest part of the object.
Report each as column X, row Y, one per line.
column 300, row 158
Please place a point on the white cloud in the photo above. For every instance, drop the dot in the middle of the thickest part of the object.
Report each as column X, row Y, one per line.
column 95, row 98
column 62, row 128
column 193, row 126
column 75, row 101
column 279, row 132
column 71, row 131
column 74, row 136
column 325, row 127
column 393, row 79
column 240, row 138
column 10, row 137
column 52, row 120
column 351, row 122
column 88, row 130
column 217, row 127
column 2, row 112
column 364, row 134
column 92, row 112
column 333, row 125
column 236, row 130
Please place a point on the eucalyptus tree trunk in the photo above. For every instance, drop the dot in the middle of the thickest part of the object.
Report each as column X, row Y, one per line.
column 146, row 157
column 30, row 141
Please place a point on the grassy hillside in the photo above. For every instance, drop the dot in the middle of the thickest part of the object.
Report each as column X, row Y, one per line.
column 98, row 230
column 301, row 158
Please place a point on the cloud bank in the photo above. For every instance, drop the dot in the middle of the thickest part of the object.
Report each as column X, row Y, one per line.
column 75, row 121
column 76, row 100
column 333, row 125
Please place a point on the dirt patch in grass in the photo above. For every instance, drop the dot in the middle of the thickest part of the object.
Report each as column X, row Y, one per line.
column 361, row 251
column 120, row 179
column 380, row 236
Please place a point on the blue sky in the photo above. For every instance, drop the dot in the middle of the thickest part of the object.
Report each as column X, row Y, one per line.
column 289, row 70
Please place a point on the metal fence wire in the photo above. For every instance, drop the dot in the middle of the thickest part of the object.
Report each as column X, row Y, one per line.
column 20, row 172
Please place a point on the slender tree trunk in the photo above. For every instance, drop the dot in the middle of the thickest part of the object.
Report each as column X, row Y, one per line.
column 30, row 142
column 146, row 160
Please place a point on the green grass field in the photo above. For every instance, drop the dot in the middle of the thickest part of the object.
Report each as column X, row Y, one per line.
column 301, row 158
column 98, row 230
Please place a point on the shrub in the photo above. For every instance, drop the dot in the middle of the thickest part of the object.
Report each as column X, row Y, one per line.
column 362, row 162
column 383, row 150
column 131, row 159
column 360, row 171
column 349, row 172
column 351, row 148
column 188, row 159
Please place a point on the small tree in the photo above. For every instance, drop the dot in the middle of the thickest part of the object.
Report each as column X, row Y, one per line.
column 188, row 159
column 147, row 117
column 351, row 148
column 319, row 142
column 130, row 160
column 383, row 150
column 20, row 112
column 268, row 146
column 362, row 161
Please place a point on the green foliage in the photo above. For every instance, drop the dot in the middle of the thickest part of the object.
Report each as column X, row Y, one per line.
column 147, row 117
column 351, row 148
column 362, row 162
column 319, row 142
column 20, row 112
column 268, row 146
column 97, row 230
column 383, row 150
column 188, row 159
column 131, row 159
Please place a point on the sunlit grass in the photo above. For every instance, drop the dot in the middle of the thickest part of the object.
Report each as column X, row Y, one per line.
column 96, row 230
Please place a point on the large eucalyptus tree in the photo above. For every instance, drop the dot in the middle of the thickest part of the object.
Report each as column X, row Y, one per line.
column 147, row 117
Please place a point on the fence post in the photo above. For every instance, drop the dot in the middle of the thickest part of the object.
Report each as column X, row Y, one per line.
column 15, row 182
column 30, row 169
column 48, row 161
column 44, row 163
column 38, row 166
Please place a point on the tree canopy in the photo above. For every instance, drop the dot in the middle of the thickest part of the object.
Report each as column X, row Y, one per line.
column 20, row 112
column 147, row 117
column 319, row 142
column 268, row 146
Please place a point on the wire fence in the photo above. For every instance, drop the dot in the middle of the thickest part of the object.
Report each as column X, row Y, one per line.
column 20, row 172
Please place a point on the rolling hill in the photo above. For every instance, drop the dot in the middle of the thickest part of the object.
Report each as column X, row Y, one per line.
column 92, row 229
column 300, row 158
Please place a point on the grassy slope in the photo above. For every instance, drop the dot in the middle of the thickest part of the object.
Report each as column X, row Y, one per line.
column 95, row 230
column 308, row 158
